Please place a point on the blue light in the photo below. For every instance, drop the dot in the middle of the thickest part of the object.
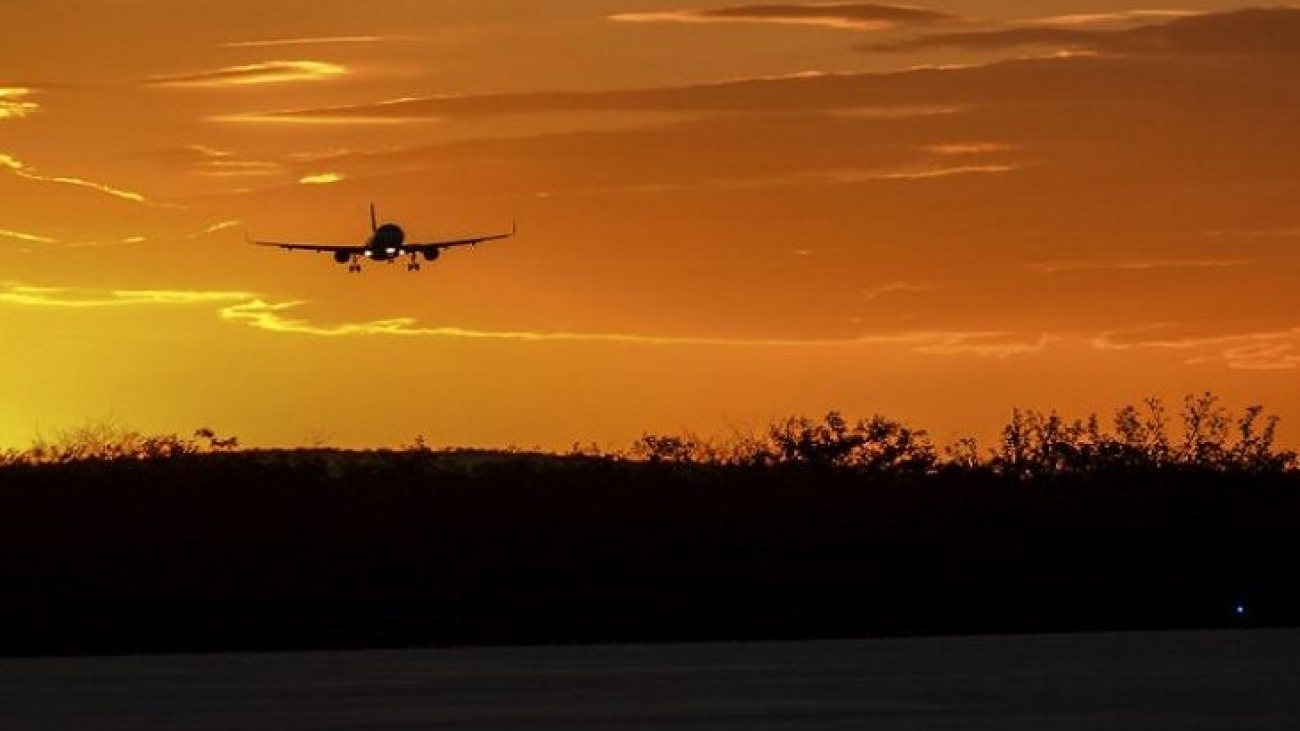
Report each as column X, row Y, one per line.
column 1239, row 610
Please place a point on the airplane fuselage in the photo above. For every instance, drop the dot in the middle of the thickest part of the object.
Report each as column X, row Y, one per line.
column 386, row 243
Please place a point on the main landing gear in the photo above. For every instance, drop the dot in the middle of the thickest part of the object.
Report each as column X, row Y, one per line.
column 414, row 264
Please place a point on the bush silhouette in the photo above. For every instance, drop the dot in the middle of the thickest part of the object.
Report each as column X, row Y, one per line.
column 1031, row 444
column 1035, row 444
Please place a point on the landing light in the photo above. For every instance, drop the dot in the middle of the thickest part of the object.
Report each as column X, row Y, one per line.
column 390, row 250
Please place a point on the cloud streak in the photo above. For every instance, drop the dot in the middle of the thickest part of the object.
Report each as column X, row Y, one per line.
column 15, row 293
column 273, row 317
column 1096, row 64
column 237, row 168
column 1250, row 31
column 316, row 41
column 267, row 72
column 844, row 16
column 1133, row 265
column 1277, row 349
column 254, row 311
column 1265, row 350
column 1075, row 20
column 27, row 237
column 22, row 170
column 895, row 95
column 14, row 102
column 322, row 178
column 901, row 287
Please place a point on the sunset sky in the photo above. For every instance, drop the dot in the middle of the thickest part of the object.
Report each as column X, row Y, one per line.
column 728, row 213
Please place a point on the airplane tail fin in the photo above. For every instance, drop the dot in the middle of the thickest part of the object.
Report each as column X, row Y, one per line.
column 374, row 225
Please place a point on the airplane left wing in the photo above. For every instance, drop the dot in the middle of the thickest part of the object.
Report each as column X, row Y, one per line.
column 332, row 249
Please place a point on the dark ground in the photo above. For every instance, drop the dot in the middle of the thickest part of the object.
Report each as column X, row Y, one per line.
column 1237, row 680
column 324, row 549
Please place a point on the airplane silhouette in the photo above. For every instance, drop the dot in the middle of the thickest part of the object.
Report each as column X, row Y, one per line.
column 387, row 243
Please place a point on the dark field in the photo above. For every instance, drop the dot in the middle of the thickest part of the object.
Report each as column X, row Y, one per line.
column 1239, row 680
column 336, row 550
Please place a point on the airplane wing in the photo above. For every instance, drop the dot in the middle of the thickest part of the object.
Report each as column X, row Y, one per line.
column 310, row 247
column 450, row 243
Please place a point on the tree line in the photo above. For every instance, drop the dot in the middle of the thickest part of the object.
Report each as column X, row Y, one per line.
column 1207, row 436
column 1204, row 435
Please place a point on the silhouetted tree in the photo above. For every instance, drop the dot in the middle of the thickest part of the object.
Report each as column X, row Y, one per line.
column 213, row 443
column 1141, row 437
column 687, row 448
column 1254, row 449
column 890, row 446
column 1205, row 431
column 1034, row 444
column 873, row 445
column 106, row 440
column 800, row 439
column 963, row 454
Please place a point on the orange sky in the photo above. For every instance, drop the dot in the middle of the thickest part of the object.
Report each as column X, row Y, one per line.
column 728, row 212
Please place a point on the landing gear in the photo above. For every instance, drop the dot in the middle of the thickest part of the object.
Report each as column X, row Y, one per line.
column 346, row 257
column 414, row 264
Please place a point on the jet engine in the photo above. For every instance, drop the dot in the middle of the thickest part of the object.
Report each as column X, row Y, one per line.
column 431, row 254
column 342, row 257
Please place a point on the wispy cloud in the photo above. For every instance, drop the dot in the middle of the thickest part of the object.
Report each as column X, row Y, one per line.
column 806, row 178
column 328, row 116
column 214, row 228
column 65, row 297
column 322, row 178
column 15, row 104
column 274, row 317
column 1132, row 265
column 919, row 92
column 927, row 173
column 221, row 226
column 917, row 172
column 1275, row 349
column 992, row 345
column 267, row 72
column 1249, row 31
column 968, row 148
column 27, row 237
column 1123, row 17
column 22, row 170
column 212, row 162
column 846, row 16
column 238, row 168
column 1258, row 233
column 253, row 310
column 902, row 287
column 317, row 41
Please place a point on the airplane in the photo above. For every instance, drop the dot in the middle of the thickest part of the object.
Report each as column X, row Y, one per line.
column 387, row 243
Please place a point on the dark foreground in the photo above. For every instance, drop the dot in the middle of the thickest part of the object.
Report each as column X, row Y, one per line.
column 328, row 550
column 1234, row 680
